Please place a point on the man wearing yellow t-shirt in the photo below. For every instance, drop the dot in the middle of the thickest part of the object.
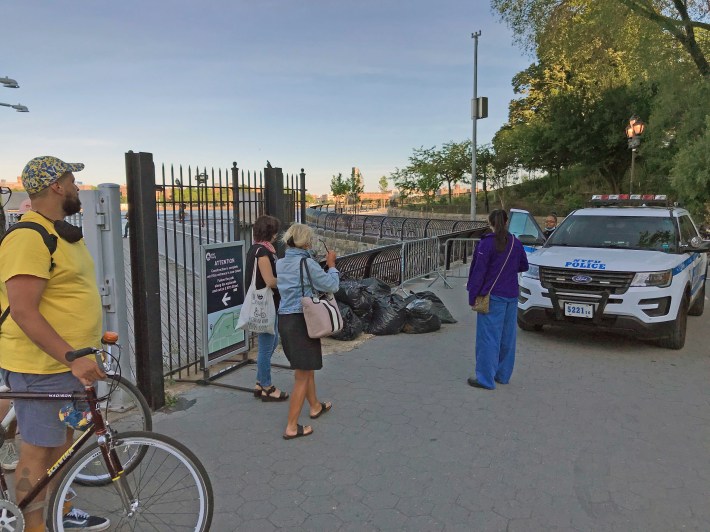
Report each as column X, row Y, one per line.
column 55, row 308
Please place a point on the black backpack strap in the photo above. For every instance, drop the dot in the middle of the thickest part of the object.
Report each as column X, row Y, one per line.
column 50, row 240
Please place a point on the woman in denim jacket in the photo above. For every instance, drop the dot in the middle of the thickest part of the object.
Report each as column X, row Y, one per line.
column 304, row 353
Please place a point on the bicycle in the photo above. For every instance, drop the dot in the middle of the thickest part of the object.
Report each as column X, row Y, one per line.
column 156, row 483
column 130, row 411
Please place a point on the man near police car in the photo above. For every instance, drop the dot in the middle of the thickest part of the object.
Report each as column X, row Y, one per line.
column 54, row 308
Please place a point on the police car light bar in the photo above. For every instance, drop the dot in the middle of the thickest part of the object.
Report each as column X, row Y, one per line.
column 656, row 200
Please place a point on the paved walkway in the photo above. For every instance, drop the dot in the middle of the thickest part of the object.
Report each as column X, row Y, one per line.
column 594, row 432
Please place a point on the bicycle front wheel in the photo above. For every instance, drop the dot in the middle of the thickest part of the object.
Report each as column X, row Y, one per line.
column 124, row 409
column 168, row 489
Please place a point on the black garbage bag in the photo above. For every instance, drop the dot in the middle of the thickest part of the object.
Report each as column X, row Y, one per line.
column 420, row 318
column 376, row 287
column 352, row 325
column 437, row 307
column 388, row 315
column 354, row 295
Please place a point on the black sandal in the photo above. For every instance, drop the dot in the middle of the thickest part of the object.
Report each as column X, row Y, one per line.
column 300, row 433
column 324, row 407
column 257, row 391
column 268, row 398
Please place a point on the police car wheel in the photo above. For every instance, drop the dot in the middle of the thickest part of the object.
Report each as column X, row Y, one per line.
column 699, row 305
column 676, row 340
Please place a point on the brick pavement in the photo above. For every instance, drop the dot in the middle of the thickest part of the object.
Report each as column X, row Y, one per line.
column 594, row 432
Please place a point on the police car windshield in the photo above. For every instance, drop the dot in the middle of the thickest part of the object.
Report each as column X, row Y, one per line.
column 617, row 232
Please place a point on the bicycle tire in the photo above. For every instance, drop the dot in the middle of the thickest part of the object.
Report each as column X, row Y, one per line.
column 170, row 488
column 135, row 416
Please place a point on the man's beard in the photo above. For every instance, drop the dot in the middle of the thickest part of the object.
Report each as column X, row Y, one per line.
column 71, row 205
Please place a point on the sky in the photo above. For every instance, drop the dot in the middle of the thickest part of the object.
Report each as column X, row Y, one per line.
column 323, row 85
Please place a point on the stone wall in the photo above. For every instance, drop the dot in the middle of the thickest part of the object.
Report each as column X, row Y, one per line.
column 404, row 213
column 344, row 244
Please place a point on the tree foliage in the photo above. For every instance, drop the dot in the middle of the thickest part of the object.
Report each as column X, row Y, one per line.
column 338, row 186
column 354, row 186
column 597, row 62
column 383, row 184
column 534, row 22
column 430, row 168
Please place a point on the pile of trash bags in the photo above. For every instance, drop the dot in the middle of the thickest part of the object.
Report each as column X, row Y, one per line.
column 370, row 306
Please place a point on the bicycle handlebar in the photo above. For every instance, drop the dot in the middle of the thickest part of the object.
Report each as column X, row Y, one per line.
column 71, row 356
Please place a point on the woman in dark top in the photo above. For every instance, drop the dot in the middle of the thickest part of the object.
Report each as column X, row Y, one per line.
column 497, row 260
column 262, row 253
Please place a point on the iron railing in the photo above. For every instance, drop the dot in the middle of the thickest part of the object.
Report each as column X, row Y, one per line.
column 12, row 217
column 220, row 205
column 396, row 264
column 387, row 227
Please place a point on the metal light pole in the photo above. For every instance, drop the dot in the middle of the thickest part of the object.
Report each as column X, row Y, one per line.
column 202, row 180
column 474, row 117
column 634, row 131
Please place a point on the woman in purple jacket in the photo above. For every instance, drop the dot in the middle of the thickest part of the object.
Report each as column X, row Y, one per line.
column 497, row 260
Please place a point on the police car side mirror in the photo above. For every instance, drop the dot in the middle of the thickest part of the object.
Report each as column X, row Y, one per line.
column 698, row 244
column 530, row 240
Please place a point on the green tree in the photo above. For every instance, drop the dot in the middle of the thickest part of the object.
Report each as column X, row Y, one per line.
column 404, row 182
column 383, row 184
column 485, row 160
column 675, row 22
column 354, row 187
column 453, row 163
column 424, row 168
column 338, row 186
column 691, row 172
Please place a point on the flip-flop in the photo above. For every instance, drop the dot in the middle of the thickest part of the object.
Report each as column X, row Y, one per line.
column 299, row 433
column 324, row 407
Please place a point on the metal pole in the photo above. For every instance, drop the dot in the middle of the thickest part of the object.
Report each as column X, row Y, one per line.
column 302, row 217
column 474, row 117
column 235, row 201
column 145, row 277
column 633, row 160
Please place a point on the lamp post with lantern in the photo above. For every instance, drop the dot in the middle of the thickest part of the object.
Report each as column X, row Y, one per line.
column 202, row 180
column 634, row 130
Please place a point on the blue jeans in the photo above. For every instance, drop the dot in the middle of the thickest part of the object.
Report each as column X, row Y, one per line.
column 267, row 345
column 495, row 341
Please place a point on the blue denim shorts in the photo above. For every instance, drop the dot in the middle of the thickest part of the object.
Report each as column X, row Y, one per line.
column 38, row 420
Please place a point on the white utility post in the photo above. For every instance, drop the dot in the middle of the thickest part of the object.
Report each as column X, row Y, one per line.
column 103, row 236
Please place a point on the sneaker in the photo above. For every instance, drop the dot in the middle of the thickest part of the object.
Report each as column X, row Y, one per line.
column 9, row 457
column 76, row 519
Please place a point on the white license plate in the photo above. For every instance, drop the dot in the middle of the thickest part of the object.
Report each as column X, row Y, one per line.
column 579, row 310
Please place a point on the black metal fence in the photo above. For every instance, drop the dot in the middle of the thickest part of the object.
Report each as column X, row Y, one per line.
column 386, row 227
column 193, row 206
column 385, row 262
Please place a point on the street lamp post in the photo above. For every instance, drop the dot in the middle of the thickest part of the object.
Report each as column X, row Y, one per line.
column 634, row 130
column 201, row 180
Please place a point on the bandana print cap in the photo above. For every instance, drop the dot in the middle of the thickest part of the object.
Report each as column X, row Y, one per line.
column 41, row 172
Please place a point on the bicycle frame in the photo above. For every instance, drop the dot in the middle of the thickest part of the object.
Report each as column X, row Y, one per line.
column 98, row 427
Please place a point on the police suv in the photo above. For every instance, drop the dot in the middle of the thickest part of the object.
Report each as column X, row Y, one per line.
column 629, row 262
